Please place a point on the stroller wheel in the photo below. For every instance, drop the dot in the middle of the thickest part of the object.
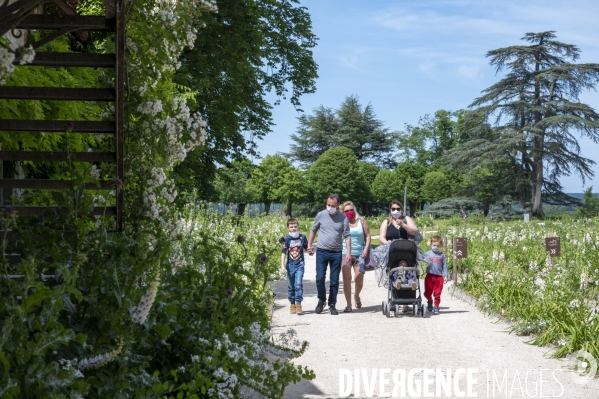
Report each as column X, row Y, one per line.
column 422, row 310
column 396, row 310
column 383, row 307
column 415, row 309
column 387, row 310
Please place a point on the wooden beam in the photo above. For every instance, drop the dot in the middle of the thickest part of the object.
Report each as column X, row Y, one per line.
column 43, row 184
column 15, row 125
column 56, row 93
column 49, row 59
column 57, row 156
column 56, row 22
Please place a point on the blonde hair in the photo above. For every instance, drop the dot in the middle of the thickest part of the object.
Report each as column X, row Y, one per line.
column 390, row 218
column 346, row 203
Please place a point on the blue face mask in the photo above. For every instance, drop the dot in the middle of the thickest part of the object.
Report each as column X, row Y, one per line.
column 436, row 250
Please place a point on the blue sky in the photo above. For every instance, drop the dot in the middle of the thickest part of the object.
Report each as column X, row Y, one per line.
column 410, row 58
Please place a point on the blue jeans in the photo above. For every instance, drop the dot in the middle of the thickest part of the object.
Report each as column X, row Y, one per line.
column 323, row 259
column 295, row 284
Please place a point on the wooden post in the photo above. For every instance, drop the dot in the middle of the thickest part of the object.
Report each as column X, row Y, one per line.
column 455, row 263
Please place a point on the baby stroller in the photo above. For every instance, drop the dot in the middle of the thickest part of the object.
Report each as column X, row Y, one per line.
column 402, row 265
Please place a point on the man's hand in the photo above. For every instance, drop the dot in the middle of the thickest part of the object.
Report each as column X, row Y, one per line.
column 310, row 251
column 445, row 279
column 283, row 271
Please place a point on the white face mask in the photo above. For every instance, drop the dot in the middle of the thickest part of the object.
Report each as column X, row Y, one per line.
column 396, row 214
column 332, row 209
column 294, row 234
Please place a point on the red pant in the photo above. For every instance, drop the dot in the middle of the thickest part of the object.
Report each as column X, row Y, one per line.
column 433, row 285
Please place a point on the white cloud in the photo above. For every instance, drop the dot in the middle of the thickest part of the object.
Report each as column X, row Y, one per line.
column 468, row 71
column 427, row 67
column 351, row 62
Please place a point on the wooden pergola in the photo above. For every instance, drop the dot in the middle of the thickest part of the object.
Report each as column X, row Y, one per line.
column 17, row 18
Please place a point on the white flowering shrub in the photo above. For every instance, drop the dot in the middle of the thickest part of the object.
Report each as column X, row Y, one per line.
column 11, row 52
column 554, row 298
column 178, row 304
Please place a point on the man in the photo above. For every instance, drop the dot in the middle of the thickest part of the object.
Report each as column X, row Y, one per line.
column 334, row 229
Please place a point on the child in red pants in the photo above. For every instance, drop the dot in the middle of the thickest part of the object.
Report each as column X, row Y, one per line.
column 436, row 274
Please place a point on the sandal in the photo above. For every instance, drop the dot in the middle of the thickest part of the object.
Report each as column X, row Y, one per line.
column 347, row 309
column 358, row 303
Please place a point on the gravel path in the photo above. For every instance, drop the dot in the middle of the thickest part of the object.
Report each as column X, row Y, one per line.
column 460, row 337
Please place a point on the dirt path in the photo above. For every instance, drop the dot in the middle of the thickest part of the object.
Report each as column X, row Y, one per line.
column 459, row 338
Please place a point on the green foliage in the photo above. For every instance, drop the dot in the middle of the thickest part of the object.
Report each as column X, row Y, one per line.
column 293, row 188
column 590, row 204
column 314, row 135
column 231, row 182
column 178, row 304
column 426, row 143
column 436, row 186
column 268, row 179
column 245, row 51
column 350, row 126
column 510, row 274
column 386, row 187
column 207, row 323
column 412, row 176
column 336, row 171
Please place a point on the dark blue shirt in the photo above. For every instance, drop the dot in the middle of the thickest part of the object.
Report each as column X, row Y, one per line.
column 294, row 247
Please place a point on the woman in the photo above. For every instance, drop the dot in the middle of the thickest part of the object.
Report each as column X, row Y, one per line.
column 398, row 226
column 360, row 243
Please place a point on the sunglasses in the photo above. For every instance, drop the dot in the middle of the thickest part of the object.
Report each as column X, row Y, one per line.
column 396, row 209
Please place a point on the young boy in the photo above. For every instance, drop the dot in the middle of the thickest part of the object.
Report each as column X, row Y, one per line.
column 436, row 274
column 292, row 262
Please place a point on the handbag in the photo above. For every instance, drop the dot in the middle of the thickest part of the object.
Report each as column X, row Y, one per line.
column 371, row 261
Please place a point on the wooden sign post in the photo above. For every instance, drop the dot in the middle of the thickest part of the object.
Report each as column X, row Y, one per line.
column 460, row 251
column 552, row 245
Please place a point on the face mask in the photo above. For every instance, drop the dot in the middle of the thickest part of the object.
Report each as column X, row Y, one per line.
column 350, row 214
column 436, row 250
column 294, row 234
column 395, row 214
column 332, row 209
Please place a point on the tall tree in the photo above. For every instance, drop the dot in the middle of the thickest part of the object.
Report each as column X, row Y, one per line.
column 314, row 136
column 536, row 115
column 245, row 51
column 368, row 172
column 386, row 187
column 292, row 189
column 351, row 126
column 336, row 171
column 230, row 184
column 434, row 135
column 436, row 186
column 364, row 134
column 268, row 179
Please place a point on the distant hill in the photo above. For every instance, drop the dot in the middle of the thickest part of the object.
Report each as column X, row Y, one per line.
column 579, row 195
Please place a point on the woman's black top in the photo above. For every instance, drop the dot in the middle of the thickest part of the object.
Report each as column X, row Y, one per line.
column 393, row 233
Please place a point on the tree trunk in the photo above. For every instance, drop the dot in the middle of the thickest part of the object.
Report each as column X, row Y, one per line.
column 537, row 189
column 364, row 208
column 412, row 207
column 486, row 207
column 267, row 207
column 288, row 208
column 240, row 209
